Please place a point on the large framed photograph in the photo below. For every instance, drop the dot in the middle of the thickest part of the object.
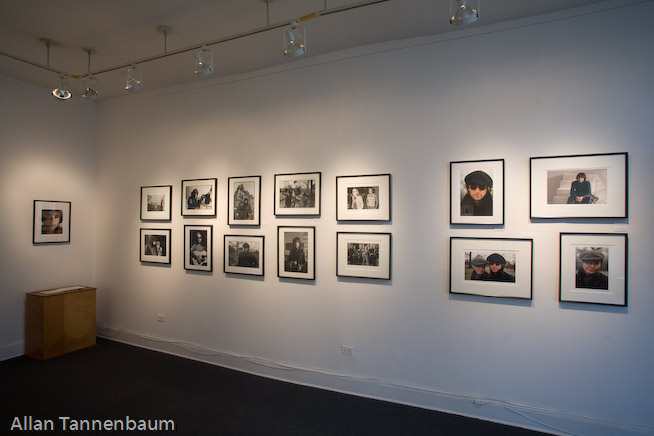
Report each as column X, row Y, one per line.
column 477, row 192
column 51, row 222
column 296, row 252
column 579, row 186
column 156, row 203
column 593, row 268
column 244, row 254
column 198, row 248
column 363, row 198
column 297, row 194
column 491, row 267
column 199, row 197
column 155, row 245
column 244, row 202
column 364, row 255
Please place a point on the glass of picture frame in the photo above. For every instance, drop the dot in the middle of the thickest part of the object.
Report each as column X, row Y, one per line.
column 198, row 247
column 363, row 198
column 156, row 203
column 244, row 254
column 297, row 194
column 363, row 255
column 477, row 192
column 579, row 186
column 244, row 201
column 296, row 252
column 199, row 197
column 491, row 267
column 593, row 268
column 155, row 246
column 51, row 222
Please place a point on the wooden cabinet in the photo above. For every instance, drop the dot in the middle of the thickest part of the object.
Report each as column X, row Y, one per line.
column 59, row 321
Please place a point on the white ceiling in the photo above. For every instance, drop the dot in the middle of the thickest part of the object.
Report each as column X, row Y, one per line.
column 124, row 31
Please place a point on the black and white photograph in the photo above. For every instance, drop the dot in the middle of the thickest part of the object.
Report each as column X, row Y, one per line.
column 363, row 255
column 199, row 197
column 477, row 192
column 156, row 203
column 363, row 198
column 51, row 222
column 198, row 248
column 244, row 201
column 593, row 268
column 155, row 246
column 491, row 267
column 244, row 254
column 579, row 186
column 296, row 252
column 297, row 194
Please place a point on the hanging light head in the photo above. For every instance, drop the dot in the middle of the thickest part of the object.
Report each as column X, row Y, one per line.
column 463, row 14
column 134, row 78
column 202, row 65
column 62, row 93
column 92, row 85
column 294, row 41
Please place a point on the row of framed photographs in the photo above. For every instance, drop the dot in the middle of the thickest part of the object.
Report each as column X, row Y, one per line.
column 358, row 254
column 358, row 198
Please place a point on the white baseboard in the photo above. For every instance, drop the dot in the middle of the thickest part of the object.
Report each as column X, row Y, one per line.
column 10, row 351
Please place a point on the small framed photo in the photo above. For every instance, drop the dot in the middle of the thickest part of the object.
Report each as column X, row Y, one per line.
column 51, row 222
column 296, row 252
column 364, row 255
column 297, row 194
column 579, row 186
column 244, row 254
column 199, row 197
column 198, row 248
column 363, row 198
column 244, row 202
column 593, row 268
column 477, row 192
column 156, row 203
column 491, row 267
column 155, row 245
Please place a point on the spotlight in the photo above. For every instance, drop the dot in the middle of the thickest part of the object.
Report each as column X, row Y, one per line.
column 202, row 67
column 294, row 41
column 133, row 83
column 62, row 93
column 91, row 86
column 464, row 14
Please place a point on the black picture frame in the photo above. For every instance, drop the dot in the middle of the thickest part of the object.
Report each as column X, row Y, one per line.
column 297, row 194
column 51, row 222
column 199, row 197
column 296, row 261
column 365, row 255
column 156, row 203
column 244, row 201
column 198, row 247
column 363, row 197
column 244, row 254
column 154, row 246
column 487, row 179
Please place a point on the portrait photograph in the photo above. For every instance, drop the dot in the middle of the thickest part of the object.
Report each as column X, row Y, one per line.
column 156, row 203
column 593, row 268
column 51, row 222
column 363, row 255
column 477, row 192
column 363, row 198
column 199, row 197
column 155, row 246
column 579, row 186
column 297, row 194
column 244, row 254
column 296, row 252
column 491, row 267
column 244, row 201
column 198, row 248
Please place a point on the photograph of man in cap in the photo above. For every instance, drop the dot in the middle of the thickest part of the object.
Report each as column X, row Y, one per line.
column 479, row 268
column 588, row 274
column 478, row 201
column 496, row 264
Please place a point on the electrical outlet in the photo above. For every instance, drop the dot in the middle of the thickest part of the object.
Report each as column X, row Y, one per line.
column 161, row 317
column 347, row 350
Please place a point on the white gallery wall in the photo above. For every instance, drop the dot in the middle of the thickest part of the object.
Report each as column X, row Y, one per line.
column 568, row 83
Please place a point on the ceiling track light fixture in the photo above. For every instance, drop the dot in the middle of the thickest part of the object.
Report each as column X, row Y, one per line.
column 61, row 93
column 202, row 65
column 295, row 41
column 92, row 85
column 463, row 14
column 133, row 83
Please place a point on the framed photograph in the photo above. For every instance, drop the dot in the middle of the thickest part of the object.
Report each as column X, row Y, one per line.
column 198, row 248
column 244, row 254
column 580, row 186
column 51, row 222
column 297, row 194
column 155, row 246
column 477, row 192
column 491, row 267
column 244, row 202
column 296, row 252
column 593, row 268
column 155, row 202
column 365, row 255
column 199, row 197
column 363, row 198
